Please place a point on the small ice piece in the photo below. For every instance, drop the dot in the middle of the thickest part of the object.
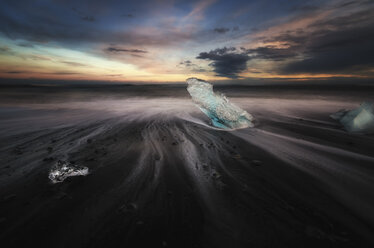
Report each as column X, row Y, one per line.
column 360, row 120
column 63, row 169
column 217, row 107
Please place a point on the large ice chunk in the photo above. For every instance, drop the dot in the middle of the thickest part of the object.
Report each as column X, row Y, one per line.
column 359, row 120
column 217, row 107
column 63, row 169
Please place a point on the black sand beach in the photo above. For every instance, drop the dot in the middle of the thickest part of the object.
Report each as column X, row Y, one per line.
column 161, row 176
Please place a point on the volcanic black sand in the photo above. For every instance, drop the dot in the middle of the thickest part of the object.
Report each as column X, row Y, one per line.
column 161, row 176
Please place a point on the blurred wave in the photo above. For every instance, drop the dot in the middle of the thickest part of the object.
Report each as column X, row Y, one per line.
column 158, row 169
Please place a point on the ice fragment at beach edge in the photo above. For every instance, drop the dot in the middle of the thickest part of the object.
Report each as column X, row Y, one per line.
column 360, row 120
column 217, row 107
column 62, row 170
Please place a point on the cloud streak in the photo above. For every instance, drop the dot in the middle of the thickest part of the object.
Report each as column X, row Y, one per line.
column 120, row 50
column 221, row 30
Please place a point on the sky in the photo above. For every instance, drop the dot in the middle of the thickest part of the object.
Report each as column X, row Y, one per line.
column 169, row 41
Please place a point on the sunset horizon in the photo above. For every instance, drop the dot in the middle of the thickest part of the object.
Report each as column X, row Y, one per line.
column 174, row 40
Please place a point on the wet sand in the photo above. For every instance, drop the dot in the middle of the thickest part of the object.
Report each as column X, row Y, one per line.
column 161, row 176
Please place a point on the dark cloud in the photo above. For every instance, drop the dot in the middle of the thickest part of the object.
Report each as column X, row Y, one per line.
column 114, row 75
column 360, row 18
column 128, row 15
column 347, row 3
column 272, row 53
column 227, row 62
column 305, row 8
column 221, row 30
column 186, row 63
column 88, row 18
column 339, row 44
column 354, row 3
column 4, row 49
column 16, row 72
column 73, row 63
column 118, row 50
column 189, row 65
column 36, row 57
column 199, row 69
column 63, row 73
column 292, row 38
column 46, row 73
column 25, row 44
column 83, row 16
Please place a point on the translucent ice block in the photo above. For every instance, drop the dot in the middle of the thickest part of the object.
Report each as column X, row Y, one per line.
column 217, row 107
column 62, row 170
column 359, row 120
